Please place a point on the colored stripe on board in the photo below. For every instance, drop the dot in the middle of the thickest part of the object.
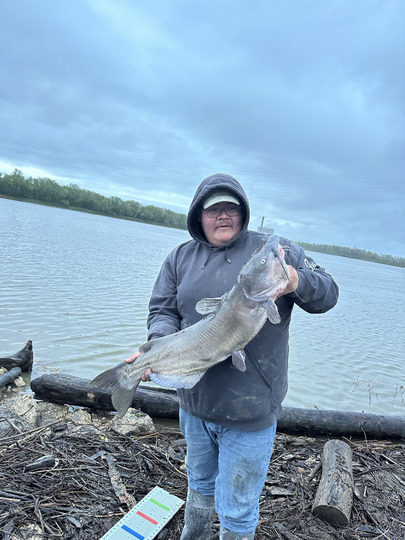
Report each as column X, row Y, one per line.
column 147, row 517
column 154, row 501
column 134, row 533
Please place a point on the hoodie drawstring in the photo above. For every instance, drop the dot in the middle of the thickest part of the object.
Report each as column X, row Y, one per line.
column 208, row 258
column 209, row 255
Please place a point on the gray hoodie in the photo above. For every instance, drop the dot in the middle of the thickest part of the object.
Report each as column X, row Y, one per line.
column 249, row 400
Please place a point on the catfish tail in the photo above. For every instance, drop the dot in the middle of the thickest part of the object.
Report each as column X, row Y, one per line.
column 122, row 387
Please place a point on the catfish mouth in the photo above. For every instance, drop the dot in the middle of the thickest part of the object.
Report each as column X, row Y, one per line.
column 262, row 296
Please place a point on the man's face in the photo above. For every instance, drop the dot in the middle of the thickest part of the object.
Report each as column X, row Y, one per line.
column 219, row 228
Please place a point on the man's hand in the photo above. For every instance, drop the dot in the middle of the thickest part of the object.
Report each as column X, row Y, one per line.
column 292, row 284
column 146, row 376
column 133, row 357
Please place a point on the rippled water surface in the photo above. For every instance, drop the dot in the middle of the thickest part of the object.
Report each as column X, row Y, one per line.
column 78, row 285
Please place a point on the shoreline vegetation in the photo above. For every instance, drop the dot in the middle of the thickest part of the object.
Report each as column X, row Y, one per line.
column 71, row 197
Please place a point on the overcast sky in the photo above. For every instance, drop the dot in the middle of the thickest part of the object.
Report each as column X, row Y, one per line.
column 301, row 100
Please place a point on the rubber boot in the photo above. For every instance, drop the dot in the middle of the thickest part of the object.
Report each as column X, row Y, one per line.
column 198, row 516
column 225, row 534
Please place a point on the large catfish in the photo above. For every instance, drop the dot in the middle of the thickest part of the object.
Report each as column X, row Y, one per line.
column 180, row 360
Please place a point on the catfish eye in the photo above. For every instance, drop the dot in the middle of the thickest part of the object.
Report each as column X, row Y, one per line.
column 263, row 261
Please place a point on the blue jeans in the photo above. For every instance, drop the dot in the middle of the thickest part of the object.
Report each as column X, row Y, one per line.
column 230, row 464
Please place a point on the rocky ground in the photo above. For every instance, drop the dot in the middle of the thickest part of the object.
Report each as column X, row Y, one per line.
column 72, row 474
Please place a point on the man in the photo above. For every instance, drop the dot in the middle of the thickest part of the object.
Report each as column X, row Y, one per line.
column 229, row 417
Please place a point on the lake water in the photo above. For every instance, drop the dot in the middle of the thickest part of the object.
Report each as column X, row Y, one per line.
column 78, row 285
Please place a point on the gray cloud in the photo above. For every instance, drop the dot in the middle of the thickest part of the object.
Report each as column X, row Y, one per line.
column 302, row 102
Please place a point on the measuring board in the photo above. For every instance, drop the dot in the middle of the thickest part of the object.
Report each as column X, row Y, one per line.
column 147, row 518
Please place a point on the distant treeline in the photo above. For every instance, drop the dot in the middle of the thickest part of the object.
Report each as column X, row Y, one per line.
column 353, row 253
column 48, row 191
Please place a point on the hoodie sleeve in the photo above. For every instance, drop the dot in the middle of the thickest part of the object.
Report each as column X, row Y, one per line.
column 317, row 291
column 164, row 318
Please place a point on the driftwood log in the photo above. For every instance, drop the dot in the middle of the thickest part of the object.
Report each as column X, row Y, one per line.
column 164, row 402
column 22, row 359
column 10, row 376
column 76, row 391
column 341, row 423
column 334, row 496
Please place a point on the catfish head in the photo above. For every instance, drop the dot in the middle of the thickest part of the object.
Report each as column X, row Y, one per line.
column 265, row 275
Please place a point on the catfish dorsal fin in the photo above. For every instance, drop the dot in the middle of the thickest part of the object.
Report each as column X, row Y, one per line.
column 146, row 346
column 208, row 305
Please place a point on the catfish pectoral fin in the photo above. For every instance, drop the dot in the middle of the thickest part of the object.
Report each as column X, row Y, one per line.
column 272, row 312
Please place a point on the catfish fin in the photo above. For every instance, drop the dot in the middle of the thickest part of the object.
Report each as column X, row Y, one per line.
column 146, row 346
column 122, row 390
column 238, row 359
column 176, row 381
column 272, row 311
column 122, row 398
column 208, row 305
column 107, row 378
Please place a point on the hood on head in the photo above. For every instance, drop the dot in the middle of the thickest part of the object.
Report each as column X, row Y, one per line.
column 212, row 183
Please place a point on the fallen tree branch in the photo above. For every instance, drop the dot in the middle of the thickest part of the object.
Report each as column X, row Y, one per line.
column 9, row 377
column 117, row 483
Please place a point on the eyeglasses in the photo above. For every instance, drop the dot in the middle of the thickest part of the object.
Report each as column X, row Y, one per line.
column 215, row 212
